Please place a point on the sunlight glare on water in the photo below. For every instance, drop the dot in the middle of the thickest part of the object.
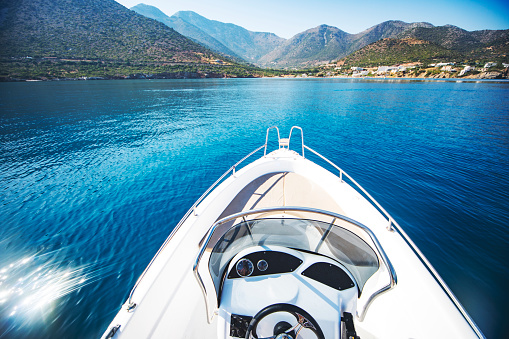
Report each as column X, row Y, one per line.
column 32, row 286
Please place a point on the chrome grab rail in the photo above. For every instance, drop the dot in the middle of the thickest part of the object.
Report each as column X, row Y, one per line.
column 267, row 138
column 372, row 200
column 393, row 225
column 440, row 281
column 301, row 136
column 184, row 218
column 284, row 142
column 381, row 252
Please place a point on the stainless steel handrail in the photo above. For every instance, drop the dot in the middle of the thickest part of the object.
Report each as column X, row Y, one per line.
column 440, row 281
column 392, row 223
column 267, row 138
column 301, row 136
column 382, row 255
column 410, row 243
column 372, row 200
column 184, row 218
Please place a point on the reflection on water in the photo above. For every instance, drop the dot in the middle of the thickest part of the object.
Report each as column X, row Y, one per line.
column 31, row 289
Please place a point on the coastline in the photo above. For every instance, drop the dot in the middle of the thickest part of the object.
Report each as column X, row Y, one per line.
column 470, row 78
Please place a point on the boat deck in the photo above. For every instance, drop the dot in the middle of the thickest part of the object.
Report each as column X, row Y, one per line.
column 281, row 189
column 170, row 301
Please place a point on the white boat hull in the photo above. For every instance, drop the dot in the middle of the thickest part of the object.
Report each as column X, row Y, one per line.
column 168, row 300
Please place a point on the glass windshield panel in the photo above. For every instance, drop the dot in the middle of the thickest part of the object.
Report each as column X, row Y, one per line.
column 301, row 234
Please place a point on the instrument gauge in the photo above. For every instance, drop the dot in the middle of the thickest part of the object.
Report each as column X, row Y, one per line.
column 244, row 267
column 262, row 265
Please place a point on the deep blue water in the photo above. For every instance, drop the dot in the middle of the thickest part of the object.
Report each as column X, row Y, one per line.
column 94, row 176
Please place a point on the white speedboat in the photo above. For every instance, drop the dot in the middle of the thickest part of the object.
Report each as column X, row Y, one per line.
column 283, row 248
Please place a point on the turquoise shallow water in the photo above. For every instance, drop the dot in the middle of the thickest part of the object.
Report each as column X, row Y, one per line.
column 94, row 176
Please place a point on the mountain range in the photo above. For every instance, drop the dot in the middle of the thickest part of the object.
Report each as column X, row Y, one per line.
column 84, row 38
column 225, row 38
column 90, row 29
column 58, row 39
column 390, row 51
column 324, row 43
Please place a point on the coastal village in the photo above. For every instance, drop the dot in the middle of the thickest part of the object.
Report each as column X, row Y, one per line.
column 440, row 70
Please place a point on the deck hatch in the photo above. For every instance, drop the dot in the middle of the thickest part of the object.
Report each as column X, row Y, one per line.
column 329, row 275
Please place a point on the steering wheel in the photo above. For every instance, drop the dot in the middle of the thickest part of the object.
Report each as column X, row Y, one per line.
column 284, row 330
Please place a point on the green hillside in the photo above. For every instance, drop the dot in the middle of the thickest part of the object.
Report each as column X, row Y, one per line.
column 90, row 29
column 98, row 38
column 309, row 48
column 250, row 46
column 186, row 29
column 397, row 51
column 485, row 45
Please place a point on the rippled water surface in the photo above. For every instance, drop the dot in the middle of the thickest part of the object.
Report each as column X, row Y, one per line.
column 94, row 176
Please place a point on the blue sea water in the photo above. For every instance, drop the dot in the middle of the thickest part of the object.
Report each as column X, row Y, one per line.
column 95, row 174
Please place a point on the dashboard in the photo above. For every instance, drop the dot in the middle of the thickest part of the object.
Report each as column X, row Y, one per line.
column 261, row 276
column 263, row 263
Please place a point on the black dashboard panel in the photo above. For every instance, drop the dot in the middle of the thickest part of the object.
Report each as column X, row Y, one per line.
column 239, row 325
column 329, row 275
column 276, row 263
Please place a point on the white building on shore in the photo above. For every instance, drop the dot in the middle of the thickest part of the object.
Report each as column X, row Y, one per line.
column 465, row 70
column 360, row 74
column 386, row 69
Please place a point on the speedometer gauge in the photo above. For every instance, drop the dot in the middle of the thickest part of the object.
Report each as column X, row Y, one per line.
column 244, row 267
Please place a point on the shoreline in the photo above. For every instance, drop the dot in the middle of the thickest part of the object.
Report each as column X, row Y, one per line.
column 443, row 76
column 377, row 78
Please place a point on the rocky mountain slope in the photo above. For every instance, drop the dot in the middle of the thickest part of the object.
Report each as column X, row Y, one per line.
column 309, row 48
column 387, row 29
column 227, row 39
column 477, row 45
column 183, row 27
column 90, row 29
column 251, row 46
column 324, row 43
column 390, row 51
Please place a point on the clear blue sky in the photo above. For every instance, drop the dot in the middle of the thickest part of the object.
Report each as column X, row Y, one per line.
column 289, row 17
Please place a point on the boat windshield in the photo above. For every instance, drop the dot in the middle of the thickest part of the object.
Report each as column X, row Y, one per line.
column 315, row 236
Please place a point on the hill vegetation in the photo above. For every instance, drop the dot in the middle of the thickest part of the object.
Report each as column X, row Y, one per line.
column 324, row 43
column 455, row 38
column 230, row 40
column 391, row 42
column 91, row 29
column 100, row 38
column 480, row 46
column 387, row 29
column 187, row 29
column 391, row 51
